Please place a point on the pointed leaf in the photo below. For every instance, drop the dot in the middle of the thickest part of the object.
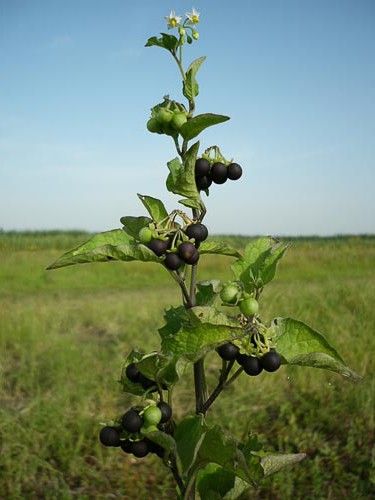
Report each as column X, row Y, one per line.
column 104, row 247
column 188, row 436
column 166, row 41
column 132, row 225
column 219, row 248
column 213, row 482
column 274, row 463
column 155, row 207
column 190, row 86
column 197, row 124
column 299, row 344
column 181, row 179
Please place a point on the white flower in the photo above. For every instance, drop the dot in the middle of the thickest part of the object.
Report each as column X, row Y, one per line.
column 173, row 20
column 193, row 16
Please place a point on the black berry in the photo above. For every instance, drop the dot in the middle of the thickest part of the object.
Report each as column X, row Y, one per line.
column 186, row 251
column 159, row 247
column 202, row 167
column 131, row 421
column 109, row 436
column 228, row 351
column 234, row 171
column 271, row 361
column 155, row 448
column 146, row 382
column 172, row 261
column 197, row 231
column 193, row 259
column 203, row 182
column 166, row 412
column 132, row 373
column 126, row 446
column 219, row 173
column 140, row 448
column 251, row 365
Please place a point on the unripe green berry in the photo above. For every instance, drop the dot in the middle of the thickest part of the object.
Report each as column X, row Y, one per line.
column 152, row 415
column 249, row 306
column 145, row 235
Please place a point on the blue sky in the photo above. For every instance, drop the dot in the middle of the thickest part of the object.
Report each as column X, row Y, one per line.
column 296, row 77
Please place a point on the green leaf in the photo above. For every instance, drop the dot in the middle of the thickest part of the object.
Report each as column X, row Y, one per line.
column 208, row 293
column 213, row 482
column 252, row 252
column 258, row 265
column 299, row 344
column 181, row 178
column 188, row 436
column 104, row 247
column 132, row 225
column 274, row 463
column 197, row 124
column 190, row 85
column 220, row 448
column 155, row 207
column 200, row 329
column 191, row 203
column 166, row 41
column 219, row 248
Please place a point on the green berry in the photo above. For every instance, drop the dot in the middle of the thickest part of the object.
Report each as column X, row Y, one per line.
column 152, row 415
column 178, row 120
column 229, row 293
column 249, row 306
column 145, row 235
column 154, row 126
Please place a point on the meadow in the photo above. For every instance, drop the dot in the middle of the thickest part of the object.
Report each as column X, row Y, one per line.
column 64, row 335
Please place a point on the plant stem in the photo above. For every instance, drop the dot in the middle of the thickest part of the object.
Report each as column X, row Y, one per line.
column 226, row 368
column 176, row 475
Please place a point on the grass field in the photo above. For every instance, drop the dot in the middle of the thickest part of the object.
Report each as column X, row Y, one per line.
column 64, row 333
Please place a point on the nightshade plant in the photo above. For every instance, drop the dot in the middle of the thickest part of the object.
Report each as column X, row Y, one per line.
column 214, row 316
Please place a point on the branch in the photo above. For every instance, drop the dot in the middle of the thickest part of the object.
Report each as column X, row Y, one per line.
column 222, row 384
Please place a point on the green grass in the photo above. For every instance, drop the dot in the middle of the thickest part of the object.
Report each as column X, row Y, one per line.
column 64, row 333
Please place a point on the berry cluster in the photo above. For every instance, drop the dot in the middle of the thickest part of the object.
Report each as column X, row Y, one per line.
column 232, row 293
column 174, row 247
column 217, row 172
column 129, row 433
column 252, row 365
column 167, row 118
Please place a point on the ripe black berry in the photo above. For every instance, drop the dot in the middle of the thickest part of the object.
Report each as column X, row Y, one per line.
column 146, row 382
column 166, row 412
column 109, row 436
column 159, row 247
column 131, row 421
column 271, row 361
column 140, row 448
column 172, row 261
column 193, row 259
column 197, row 231
column 234, row 171
column 202, row 167
column 219, row 173
column 203, row 182
column 251, row 365
column 126, row 446
column 132, row 373
column 228, row 351
column 186, row 251
column 155, row 448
